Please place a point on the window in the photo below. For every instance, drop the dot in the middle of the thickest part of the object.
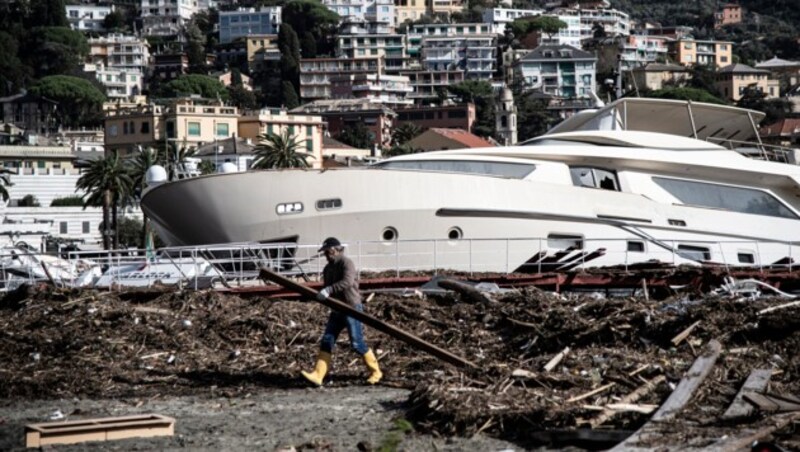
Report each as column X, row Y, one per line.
column 565, row 241
column 736, row 199
column 697, row 253
column 269, row 129
column 746, row 258
column 125, row 128
column 145, row 127
column 636, row 247
column 62, row 227
column 194, row 129
column 170, row 129
column 222, row 129
column 327, row 204
column 40, row 164
column 310, row 146
column 497, row 169
column 289, row 208
column 86, row 227
column 594, row 178
column 291, row 130
column 309, row 131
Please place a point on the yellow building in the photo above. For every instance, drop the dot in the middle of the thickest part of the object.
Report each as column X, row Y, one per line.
column 408, row 10
column 183, row 122
column 307, row 130
column 261, row 50
column 732, row 80
column 56, row 160
column 688, row 51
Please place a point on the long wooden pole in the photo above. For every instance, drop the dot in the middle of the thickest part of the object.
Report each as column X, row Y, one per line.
column 367, row 319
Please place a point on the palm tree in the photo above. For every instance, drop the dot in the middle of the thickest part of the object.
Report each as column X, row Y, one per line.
column 206, row 167
column 137, row 170
column 405, row 133
column 105, row 182
column 279, row 151
column 5, row 182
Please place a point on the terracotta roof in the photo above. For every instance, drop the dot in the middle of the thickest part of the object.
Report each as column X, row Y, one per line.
column 661, row 67
column 739, row 68
column 776, row 62
column 462, row 136
column 786, row 127
column 233, row 145
column 330, row 143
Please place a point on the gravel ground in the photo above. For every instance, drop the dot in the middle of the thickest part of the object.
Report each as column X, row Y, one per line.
column 306, row 419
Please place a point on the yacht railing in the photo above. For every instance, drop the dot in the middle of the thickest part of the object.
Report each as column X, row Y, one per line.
column 238, row 264
column 769, row 152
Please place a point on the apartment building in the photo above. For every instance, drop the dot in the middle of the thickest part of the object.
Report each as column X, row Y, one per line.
column 391, row 47
column 427, row 84
column 614, row 22
column 248, row 21
column 655, row 75
column 559, row 70
column 475, row 55
column 88, row 17
column 687, row 51
column 307, row 130
column 169, row 66
column 452, row 116
column 341, row 114
column 184, row 122
column 418, row 32
column 262, row 51
column 389, row 90
column 166, row 17
column 409, row 10
column 732, row 80
column 498, row 18
column 629, row 52
column 570, row 35
column 29, row 113
column 786, row 71
column 729, row 14
column 124, row 53
column 377, row 11
column 315, row 73
column 443, row 8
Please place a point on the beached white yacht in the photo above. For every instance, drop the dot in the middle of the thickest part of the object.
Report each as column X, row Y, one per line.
column 637, row 180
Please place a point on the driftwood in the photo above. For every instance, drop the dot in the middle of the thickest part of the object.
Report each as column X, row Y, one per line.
column 680, row 396
column 684, row 334
column 556, row 359
column 756, row 381
column 779, row 307
column 640, row 392
column 591, row 393
column 468, row 293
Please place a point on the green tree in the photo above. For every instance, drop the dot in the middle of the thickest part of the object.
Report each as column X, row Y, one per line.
column 533, row 119
column 399, row 149
column 206, row 167
column 279, row 151
column 289, row 47
column 49, row 13
column 313, row 17
column 775, row 109
column 54, row 50
column 67, row 201
column 357, row 135
column 80, row 103
column 137, row 167
column 404, row 133
column 480, row 93
column 549, row 25
column 203, row 85
column 289, row 97
column 242, row 98
column 105, row 183
column 29, row 201
column 13, row 74
column 114, row 21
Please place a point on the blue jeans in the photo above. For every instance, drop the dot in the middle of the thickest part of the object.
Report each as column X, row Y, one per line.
column 336, row 323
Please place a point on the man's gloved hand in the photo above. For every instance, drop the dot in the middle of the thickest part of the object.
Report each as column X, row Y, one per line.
column 324, row 293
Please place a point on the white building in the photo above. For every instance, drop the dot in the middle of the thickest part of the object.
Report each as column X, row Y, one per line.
column 571, row 35
column 614, row 22
column 498, row 18
column 391, row 47
column 420, row 31
column 473, row 54
column 166, row 17
column 389, row 90
column 87, row 17
column 120, row 63
column 380, row 11
column 559, row 70
column 248, row 21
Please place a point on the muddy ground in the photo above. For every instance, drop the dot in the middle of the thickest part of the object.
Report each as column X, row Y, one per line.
column 271, row 419
column 180, row 347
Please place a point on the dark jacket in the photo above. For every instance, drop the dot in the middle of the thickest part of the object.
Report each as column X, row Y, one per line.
column 340, row 276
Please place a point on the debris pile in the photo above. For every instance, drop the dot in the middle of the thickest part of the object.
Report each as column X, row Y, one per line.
column 546, row 361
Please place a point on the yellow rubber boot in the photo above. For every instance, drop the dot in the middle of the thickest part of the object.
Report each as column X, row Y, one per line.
column 323, row 363
column 372, row 364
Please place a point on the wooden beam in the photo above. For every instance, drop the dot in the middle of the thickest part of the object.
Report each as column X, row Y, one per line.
column 367, row 319
column 680, row 396
column 101, row 429
column 756, row 382
column 634, row 396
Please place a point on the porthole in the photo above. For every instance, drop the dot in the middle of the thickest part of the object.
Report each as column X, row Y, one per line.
column 389, row 234
column 455, row 233
column 329, row 204
column 289, row 208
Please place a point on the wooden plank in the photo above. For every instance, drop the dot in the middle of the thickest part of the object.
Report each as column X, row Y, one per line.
column 748, row 437
column 367, row 319
column 102, row 429
column 680, row 396
column 684, row 334
column 762, row 402
column 640, row 392
column 591, row 393
column 756, row 382
column 556, row 359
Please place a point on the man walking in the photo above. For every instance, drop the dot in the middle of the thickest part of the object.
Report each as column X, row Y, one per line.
column 339, row 277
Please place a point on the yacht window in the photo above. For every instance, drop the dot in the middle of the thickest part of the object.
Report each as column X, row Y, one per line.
column 746, row 258
column 594, row 178
column 499, row 169
column 328, row 204
column 737, row 199
column 697, row 253
column 564, row 241
column 636, row 247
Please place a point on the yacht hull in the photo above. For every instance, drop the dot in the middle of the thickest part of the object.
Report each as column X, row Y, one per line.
column 425, row 220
